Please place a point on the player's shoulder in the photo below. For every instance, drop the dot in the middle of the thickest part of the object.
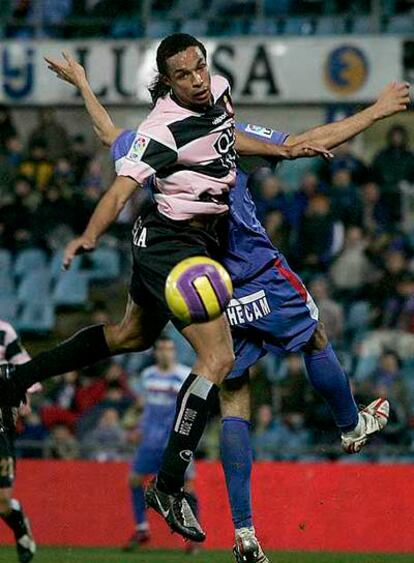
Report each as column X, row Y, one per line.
column 219, row 85
column 120, row 147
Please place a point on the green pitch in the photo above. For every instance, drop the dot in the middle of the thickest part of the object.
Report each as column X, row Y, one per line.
column 67, row 555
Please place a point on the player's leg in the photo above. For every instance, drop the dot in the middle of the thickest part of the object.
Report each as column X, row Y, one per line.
column 141, row 533
column 237, row 460
column 329, row 379
column 137, row 331
column 213, row 346
column 11, row 511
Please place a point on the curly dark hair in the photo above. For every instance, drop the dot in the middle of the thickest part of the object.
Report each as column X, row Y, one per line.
column 170, row 46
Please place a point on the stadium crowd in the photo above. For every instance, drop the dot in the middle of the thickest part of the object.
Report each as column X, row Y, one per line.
column 155, row 18
column 341, row 225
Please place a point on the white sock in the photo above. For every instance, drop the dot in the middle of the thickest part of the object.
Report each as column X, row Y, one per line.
column 143, row 527
column 357, row 431
column 239, row 531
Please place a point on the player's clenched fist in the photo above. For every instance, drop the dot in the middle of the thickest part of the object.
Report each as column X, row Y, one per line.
column 394, row 98
column 76, row 246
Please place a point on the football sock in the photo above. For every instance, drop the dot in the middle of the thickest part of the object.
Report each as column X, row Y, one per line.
column 194, row 402
column 138, row 505
column 83, row 349
column 15, row 519
column 236, row 459
column 329, row 379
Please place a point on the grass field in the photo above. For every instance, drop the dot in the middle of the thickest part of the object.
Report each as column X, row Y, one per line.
column 67, row 555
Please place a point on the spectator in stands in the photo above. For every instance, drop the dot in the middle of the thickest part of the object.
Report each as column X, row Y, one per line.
column 63, row 174
column 278, row 230
column 37, row 167
column 331, row 312
column 399, row 307
column 14, row 150
column 375, row 215
column 79, row 157
column 352, row 269
column 310, row 187
column 316, row 236
column 7, row 127
column 61, row 404
column 54, row 212
column 52, row 134
column 93, row 177
column 30, row 441
column 291, row 391
column 345, row 159
column 265, row 437
column 61, row 444
column 392, row 165
column 343, row 194
column 270, row 195
column 107, row 440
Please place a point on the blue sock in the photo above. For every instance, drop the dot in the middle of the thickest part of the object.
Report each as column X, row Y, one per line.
column 138, row 505
column 329, row 379
column 236, row 458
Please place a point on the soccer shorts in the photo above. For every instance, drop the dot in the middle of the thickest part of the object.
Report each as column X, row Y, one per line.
column 271, row 312
column 7, row 459
column 147, row 461
column 158, row 244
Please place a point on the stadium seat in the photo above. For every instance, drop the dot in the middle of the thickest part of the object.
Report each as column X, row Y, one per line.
column 6, row 284
column 331, row 25
column 8, row 309
column 364, row 24
column 195, row 27
column 123, row 28
column 193, row 9
column 263, row 26
column 299, row 26
column 56, row 264
column 37, row 316
column 5, row 260
column 105, row 264
column 401, row 24
column 278, row 7
column 29, row 260
column 160, row 28
column 71, row 289
column 34, row 286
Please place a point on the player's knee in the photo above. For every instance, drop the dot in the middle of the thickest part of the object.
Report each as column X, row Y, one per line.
column 235, row 399
column 123, row 338
column 319, row 340
column 222, row 363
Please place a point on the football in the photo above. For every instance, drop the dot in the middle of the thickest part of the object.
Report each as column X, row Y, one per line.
column 198, row 289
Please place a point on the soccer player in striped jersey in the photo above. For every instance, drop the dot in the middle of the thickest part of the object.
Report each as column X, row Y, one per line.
column 158, row 389
column 270, row 310
column 11, row 511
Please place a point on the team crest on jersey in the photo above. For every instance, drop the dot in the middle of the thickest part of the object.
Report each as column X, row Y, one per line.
column 261, row 131
column 138, row 148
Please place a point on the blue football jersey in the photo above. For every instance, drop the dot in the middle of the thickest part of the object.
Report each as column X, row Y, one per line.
column 159, row 391
column 249, row 248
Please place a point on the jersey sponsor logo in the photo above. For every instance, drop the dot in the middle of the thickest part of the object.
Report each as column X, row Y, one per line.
column 265, row 132
column 138, row 148
column 139, row 234
column 248, row 308
column 186, row 455
column 219, row 119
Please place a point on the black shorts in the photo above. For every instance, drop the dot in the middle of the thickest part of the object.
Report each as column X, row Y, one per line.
column 7, row 459
column 159, row 244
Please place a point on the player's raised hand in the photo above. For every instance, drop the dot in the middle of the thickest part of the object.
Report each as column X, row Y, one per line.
column 68, row 70
column 308, row 150
column 76, row 246
column 394, row 98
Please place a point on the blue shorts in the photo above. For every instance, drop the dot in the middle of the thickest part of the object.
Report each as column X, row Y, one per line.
column 147, row 461
column 272, row 312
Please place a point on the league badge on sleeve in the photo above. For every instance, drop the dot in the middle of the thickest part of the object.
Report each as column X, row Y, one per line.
column 260, row 131
column 138, row 148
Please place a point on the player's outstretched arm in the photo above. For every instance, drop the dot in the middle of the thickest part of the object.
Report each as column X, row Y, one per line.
column 246, row 145
column 106, row 212
column 393, row 99
column 72, row 72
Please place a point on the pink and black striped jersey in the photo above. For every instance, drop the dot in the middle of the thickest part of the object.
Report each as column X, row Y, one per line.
column 190, row 155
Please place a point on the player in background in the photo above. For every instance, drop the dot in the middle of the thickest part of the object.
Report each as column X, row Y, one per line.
column 158, row 388
column 187, row 145
column 11, row 511
column 255, row 264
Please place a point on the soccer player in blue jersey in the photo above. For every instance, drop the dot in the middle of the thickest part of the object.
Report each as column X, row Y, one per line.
column 271, row 308
column 159, row 385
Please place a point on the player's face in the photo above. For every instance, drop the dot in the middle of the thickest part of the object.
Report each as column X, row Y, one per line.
column 165, row 353
column 189, row 77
